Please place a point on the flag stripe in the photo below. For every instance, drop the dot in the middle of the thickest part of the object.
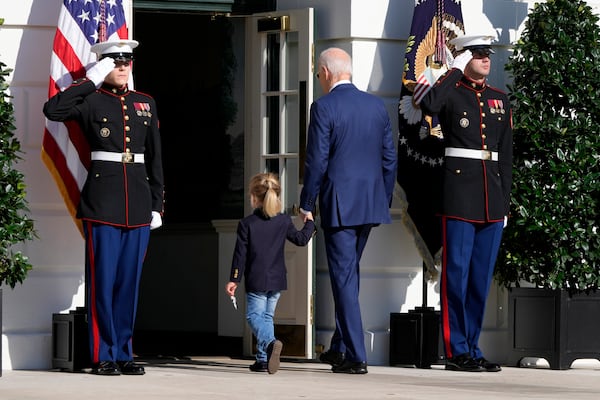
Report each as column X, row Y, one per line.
column 65, row 152
column 56, row 162
column 67, row 61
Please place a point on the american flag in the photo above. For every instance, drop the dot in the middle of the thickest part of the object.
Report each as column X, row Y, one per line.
column 420, row 147
column 81, row 24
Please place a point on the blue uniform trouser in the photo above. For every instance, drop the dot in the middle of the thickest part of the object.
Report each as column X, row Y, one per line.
column 113, row 260
column 468, row 260
column 344, row 248
column 260, row 310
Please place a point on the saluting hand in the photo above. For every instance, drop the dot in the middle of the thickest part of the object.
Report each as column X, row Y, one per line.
column 462, row 60
column 98, row 72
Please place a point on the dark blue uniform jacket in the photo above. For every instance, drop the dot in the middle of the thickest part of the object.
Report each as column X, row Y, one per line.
column 115, row 120
column 473, row 116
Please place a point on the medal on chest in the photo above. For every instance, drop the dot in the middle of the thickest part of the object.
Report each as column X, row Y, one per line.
column 496, row 106
column 142, row 109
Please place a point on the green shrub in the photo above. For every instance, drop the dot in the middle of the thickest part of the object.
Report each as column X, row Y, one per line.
column 15, row 227
column 553, row 238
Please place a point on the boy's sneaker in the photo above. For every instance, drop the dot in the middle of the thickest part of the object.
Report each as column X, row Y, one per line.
column 259, row 366
column 273, row 354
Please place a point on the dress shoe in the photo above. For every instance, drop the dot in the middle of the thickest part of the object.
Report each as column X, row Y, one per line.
column 107, row 368
column 351, row 367
column 487, row 365
column 131, row 368
column 463, row 362
column 332, row 357
column 273, row 354
column 259, row 366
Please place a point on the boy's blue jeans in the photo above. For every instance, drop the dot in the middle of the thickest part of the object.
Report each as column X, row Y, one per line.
column 259, row 314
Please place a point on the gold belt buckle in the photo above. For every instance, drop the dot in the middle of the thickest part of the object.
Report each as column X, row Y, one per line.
column 127, row 157
column 486, row 155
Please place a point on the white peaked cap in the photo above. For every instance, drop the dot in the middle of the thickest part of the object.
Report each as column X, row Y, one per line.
column 120, row 46
column 472, row 41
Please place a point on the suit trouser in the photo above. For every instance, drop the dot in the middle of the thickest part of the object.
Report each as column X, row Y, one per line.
column 113, row 259
column 344, row 248
column 468, row 260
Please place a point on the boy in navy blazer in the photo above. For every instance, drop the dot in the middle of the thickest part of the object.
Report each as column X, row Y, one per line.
column 259, row 258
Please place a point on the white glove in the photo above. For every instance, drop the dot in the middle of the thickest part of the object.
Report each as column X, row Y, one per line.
column 505, row 221
column 462, row 60
column 100, row 70
column 156, row 220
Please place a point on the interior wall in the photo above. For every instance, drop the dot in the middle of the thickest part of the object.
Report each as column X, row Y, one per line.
column 189, row 73
column 195, row 77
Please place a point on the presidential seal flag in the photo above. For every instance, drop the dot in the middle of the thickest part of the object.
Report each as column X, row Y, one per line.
column 420, row 147
column 81, row 24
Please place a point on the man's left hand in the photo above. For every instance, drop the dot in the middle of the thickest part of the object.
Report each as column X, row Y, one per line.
column 156, row 220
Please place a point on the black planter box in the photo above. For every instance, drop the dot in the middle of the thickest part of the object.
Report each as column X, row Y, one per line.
column 550, row 324
column 415, row 338
column 70, row 349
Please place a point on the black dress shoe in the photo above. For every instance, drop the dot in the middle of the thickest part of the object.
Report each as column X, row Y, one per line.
column 488, row 366
column 331, row 357
column 108, row 368
column 351, row 367
column 131, row 368
column 273, row 354
column 463, row 362
column 259, row 366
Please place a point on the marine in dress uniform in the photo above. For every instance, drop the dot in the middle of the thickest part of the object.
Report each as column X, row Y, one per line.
column 121, row 200
column 477, row 127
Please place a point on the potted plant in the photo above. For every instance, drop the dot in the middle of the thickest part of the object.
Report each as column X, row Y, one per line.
column 15, row 226
column 552, row 241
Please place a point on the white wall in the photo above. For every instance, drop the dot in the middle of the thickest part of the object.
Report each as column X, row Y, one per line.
column 57, row 255
column 374, row 31
column 56, row 282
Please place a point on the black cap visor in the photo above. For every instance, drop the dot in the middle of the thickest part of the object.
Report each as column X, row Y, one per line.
column 479, row 50
column 121, row 57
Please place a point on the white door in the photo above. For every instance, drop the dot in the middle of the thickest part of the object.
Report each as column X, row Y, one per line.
column 279, row 88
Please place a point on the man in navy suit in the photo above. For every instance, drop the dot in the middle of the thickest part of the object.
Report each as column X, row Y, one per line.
column 351, row 167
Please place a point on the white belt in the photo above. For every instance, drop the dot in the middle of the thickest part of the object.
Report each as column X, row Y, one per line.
column 470, row 153
column 118, row 157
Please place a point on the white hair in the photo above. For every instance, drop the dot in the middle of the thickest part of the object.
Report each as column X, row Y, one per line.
column 336, row 60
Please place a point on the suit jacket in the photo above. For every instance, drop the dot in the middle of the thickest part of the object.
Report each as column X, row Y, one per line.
column 259, row 250
column 473, row 116
column 350, row 159
column 115, row 120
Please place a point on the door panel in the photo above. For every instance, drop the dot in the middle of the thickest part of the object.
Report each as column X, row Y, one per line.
column 279, row 87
